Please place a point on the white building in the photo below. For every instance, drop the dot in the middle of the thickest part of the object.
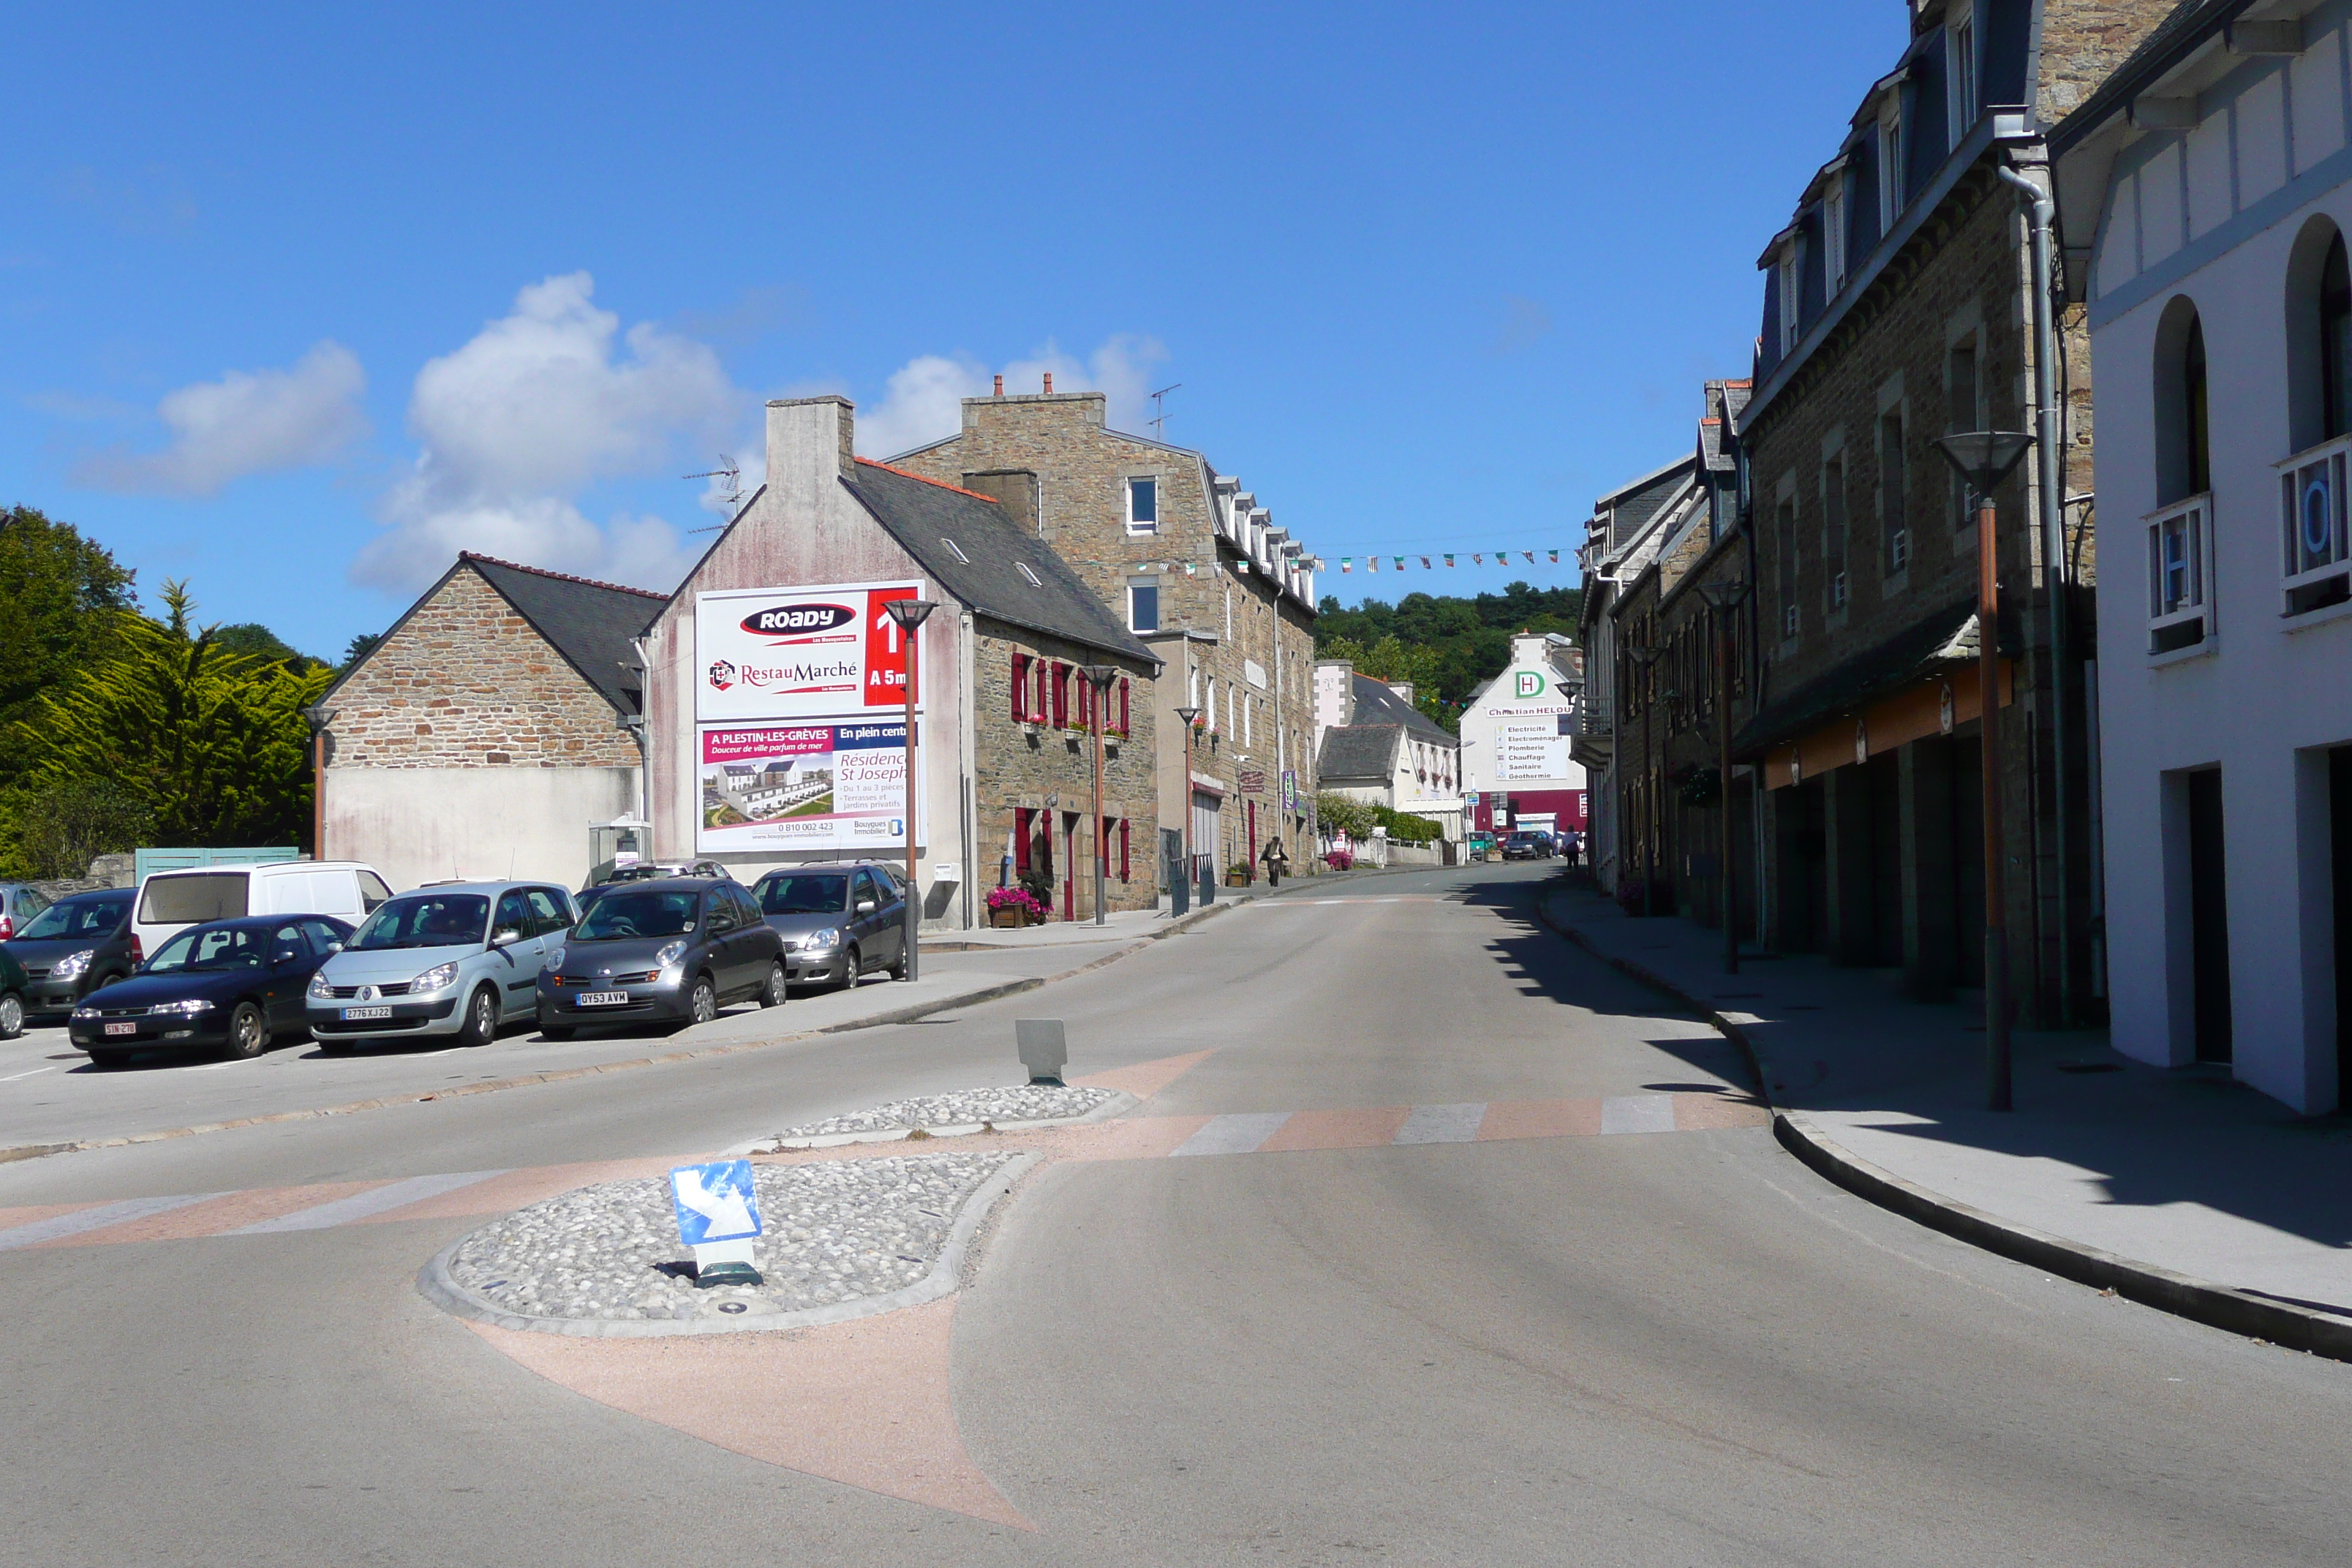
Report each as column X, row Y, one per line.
column 1372, row 744
column 2205, row 197
column 1517, row 730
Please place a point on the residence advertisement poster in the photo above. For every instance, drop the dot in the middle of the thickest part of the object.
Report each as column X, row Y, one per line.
column 785, row 787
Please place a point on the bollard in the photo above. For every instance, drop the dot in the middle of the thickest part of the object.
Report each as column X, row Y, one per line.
column 1045, row 1049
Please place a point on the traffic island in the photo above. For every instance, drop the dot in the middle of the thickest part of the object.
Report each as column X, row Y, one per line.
column 1008, row 1108
column 844, row 1238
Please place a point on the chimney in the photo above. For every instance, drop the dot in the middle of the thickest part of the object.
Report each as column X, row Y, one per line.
column 1014, row 489
column 1049, row 383
column 1403, row 688
column 812, row 444
column 999, row 388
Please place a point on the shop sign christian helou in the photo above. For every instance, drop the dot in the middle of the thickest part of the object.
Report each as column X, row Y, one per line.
column 800, row 718
column 1530, row 739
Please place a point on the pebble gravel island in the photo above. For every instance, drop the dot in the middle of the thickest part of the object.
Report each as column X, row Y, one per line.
column 1004, row 1106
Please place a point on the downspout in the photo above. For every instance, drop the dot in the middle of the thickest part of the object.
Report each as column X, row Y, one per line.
column 2050, row 465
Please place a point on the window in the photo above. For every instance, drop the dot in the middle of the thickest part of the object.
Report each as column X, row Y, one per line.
column 1143, row 506
column 1023, row 566
column 1893, row 526
column 1961, row 414
column 1143, row 606
column 1890, row 168
column 1833, row 233
column 2199, row 451
column 2178, row 571
column 549, row 914
column 1833, row 530
column 1789, row 259
column 1961, row 40
column 1785, row 537
column 2335, row 342
column 955, row 549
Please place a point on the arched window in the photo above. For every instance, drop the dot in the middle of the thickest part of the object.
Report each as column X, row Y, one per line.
column 2183, row 453
column 2312, row 492
column 2335, row 341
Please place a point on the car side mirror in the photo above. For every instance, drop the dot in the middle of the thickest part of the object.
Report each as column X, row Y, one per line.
column 865, row 906
column 501, row 937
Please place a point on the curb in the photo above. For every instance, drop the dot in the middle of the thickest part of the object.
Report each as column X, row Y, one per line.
column 1119, row 1104
column 435, row 1284
column 2182, row 1295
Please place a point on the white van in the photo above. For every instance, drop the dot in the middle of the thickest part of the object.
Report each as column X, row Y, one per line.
column 172, row 901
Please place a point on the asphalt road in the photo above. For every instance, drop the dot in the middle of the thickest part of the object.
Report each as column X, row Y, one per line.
column 1664, row 1346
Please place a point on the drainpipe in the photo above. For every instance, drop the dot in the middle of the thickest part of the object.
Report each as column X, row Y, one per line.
column 2050, row 465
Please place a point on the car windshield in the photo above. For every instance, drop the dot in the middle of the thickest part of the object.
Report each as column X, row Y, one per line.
column 98, row 917
column 425, row 919
column 640, row 912
column 212, row 947
column 804, row 895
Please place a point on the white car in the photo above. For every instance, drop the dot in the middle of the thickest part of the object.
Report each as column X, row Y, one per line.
column 172, row 901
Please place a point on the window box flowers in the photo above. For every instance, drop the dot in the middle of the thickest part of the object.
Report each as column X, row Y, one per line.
column 1012, row 907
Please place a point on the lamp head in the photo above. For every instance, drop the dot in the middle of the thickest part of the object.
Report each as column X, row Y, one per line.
column 909, row 613
column 1724, row 592
column 1099, row 675
column 1984, row 457
column 1188, row 715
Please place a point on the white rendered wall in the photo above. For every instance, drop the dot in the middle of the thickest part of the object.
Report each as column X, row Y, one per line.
column 423, row 825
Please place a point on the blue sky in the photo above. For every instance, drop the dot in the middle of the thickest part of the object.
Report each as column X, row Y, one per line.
column 298, row 302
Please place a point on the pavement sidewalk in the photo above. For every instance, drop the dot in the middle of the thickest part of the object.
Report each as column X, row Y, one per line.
column 2182, row 1188
column 1142, row 925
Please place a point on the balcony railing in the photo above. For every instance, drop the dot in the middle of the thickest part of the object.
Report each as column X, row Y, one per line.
column 2180, row 575
column 2318, row 561
column 1594, row 720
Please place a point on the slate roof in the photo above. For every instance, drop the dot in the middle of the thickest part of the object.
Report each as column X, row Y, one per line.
column 1358, row 751
column 1376, row 704
column 982, row 567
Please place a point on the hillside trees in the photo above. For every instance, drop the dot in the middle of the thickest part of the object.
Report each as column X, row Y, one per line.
column 1445, row 646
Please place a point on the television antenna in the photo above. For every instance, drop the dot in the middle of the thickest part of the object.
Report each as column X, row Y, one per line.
column 728, row 495
column 1159, row 407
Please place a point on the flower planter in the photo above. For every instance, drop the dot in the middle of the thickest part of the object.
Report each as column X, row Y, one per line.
column 1008, row 919
column 1236, row 878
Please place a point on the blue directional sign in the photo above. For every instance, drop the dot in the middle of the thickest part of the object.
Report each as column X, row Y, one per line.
column 715, row 1202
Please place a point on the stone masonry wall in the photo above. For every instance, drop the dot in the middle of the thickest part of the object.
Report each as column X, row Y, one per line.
column 467, row 683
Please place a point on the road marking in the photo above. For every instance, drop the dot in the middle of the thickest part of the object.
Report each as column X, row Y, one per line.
column 1637, row 1113
column 1236, row 1134
column 15, row 1075
column 1443, row 1124
column 96, row 1218
column 359, row 1206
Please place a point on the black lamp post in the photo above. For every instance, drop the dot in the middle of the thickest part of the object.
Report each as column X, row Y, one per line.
column 1100, row 677
column 1983, row 458
column 1178, row 901
column 910, row 615
column 1725, row 595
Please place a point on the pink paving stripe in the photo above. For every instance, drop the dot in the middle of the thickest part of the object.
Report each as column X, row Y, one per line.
column 11, row 1218
column 520, row 1189
column 863, row 1402
column 1136, row 1138
column 1145, row 1078
column 1541, row 1119
column 214, row 1216
column 1373, row 1129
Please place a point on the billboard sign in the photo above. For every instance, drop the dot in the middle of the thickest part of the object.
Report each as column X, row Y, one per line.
column 799, row 652
column 836, row 785
column 1527, row 751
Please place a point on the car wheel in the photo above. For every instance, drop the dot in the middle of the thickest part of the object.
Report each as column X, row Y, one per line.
column 898, row 969
column 12, row 1015
column 248, row 1032
column 481, row 1018
column 772, row 994
column 703, row 1004
column 853, row 967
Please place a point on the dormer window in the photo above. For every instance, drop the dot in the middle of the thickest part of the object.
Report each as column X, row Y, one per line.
column 1143, row 505
column 1789, row 276
column 1960, row 38
column 1833, row 233
column 1890, row 164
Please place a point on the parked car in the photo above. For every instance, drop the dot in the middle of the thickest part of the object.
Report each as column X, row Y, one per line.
column 80, row 942
column 670, row 951
column 12, row 996
column 226, row 985
column 839, row 922
column 1482, row 845
column 1523, row 846
column 19, row 903
column 607, row 876
column 172, row 901
column 459, row 958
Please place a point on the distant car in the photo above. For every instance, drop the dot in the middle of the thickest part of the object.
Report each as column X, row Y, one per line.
column 459, row 959
column 839, row 922
column 80, row 942
column 12, row 996
column 1523, row 846
column 605, row 878
column 228, row 986
column 170, row 902
column 1482, row 845
column 675, row 952
column 19, row 903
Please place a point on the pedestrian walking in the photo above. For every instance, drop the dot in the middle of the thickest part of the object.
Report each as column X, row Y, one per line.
column 1276, row 860
column 1570, row 843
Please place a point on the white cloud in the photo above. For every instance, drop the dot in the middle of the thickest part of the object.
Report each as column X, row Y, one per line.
column 247, row 422
column 529, row 413
column 921, row 401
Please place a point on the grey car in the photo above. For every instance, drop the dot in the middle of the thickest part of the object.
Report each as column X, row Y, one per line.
column 839, row 922
column 76, row 946
column 670, row 951
column 458, row 958
column 19, row 903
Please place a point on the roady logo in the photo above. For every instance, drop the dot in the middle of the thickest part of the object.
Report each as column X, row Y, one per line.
column 798, row 619
column 722, row 675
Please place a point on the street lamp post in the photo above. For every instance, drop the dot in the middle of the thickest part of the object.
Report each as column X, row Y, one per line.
column 1646, row 655
column 1983, row 458
column 1100, row 677
column 910, row 615
column 1176, row 902
column 1724, row 596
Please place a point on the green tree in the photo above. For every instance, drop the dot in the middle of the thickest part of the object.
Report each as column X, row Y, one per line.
column 59, row 827
column 214, row 741
column 361, row 647
column 1467, row 641
column 1337, row 813
column 62, row 600
column 253, row 638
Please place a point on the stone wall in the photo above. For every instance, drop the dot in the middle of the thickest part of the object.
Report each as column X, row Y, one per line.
column 466, row 682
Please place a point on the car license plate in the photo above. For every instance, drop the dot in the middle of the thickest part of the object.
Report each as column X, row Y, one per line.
column 361, row 1014
column 122, row 1028
column 602, row 998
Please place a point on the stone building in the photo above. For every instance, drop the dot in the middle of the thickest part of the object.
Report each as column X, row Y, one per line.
column 489, row 731
column 1899, row 305
column 1188, row 563
column 2206, row 194
column 1008, row 720
column 1372, row 744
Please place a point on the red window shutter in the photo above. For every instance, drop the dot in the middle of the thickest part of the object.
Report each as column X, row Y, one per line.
column 1019, row 687
column 1085, row 703
column 1122, row 718
column 1021, row 815
column 1122, row 848
column 1061, row 695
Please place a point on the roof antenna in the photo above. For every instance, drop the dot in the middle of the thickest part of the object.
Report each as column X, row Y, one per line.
column 728, row 495
column 1159, row 407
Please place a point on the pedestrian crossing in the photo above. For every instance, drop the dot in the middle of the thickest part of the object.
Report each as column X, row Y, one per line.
column 294, row 1210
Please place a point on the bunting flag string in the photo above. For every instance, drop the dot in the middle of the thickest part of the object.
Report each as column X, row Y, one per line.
column 1428, row 562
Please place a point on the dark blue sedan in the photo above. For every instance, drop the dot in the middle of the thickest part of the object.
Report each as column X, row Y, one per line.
column 225, row 988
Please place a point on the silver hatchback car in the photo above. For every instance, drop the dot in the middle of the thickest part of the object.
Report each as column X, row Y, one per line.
column 458, row 958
